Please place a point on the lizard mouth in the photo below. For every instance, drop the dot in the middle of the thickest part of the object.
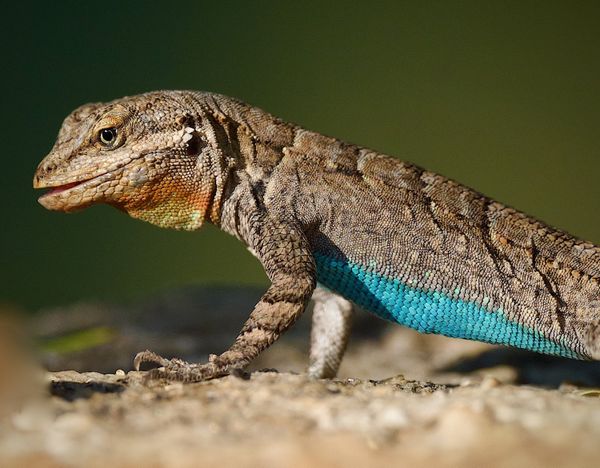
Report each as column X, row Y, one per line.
column 69, row 196
column 58, row 189
column 62, row 188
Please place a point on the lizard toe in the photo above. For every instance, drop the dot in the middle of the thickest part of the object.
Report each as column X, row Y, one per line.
column 180, row 371
column 151, row 357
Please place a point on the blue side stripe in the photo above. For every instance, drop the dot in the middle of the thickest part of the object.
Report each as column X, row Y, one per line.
column 429, row 311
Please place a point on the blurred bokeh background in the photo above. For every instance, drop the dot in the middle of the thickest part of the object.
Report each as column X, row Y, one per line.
column 504, row 97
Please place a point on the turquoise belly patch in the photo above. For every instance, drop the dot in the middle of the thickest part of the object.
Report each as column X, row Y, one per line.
column 429, row 311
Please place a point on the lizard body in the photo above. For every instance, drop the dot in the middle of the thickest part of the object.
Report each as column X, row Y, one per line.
column 407, row 244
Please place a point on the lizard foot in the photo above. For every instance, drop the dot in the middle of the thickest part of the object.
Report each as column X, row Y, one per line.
column 179, row 370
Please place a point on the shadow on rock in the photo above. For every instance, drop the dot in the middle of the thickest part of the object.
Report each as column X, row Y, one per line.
column 72, row 391
column 533, row 368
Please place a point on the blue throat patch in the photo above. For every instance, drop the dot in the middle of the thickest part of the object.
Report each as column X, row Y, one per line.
column 429, row 311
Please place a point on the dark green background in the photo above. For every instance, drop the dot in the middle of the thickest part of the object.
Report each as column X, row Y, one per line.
column 502, row 97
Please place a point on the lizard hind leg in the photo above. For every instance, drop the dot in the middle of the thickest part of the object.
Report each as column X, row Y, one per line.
column 331, row 323
column 592, row 339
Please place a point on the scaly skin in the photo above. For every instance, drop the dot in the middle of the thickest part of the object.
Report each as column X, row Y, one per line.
column 405, row 243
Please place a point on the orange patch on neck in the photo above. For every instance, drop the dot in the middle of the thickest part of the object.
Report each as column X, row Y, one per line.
column 171, row 205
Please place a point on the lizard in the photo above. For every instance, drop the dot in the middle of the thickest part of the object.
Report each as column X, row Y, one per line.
column 370, row 230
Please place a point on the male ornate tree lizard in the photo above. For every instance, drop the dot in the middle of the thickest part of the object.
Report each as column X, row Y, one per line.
column 404, row 243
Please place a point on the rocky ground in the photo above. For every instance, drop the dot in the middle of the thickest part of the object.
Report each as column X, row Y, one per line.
column 402, row 399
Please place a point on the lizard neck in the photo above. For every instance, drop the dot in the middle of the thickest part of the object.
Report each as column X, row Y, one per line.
column 250, row 145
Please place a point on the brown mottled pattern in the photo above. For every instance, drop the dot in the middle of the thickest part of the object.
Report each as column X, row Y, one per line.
column 179, row 158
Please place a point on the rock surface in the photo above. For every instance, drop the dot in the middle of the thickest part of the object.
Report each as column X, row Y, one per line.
column 461, row 404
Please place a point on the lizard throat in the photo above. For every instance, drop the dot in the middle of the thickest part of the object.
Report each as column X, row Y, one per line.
column 163, row 206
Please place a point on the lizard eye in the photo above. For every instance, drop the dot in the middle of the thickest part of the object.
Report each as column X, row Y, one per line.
column 107, row 136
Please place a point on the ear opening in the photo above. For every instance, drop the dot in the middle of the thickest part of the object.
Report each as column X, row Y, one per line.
column 193, row 144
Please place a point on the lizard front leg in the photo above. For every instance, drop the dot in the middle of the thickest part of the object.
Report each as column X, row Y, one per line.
column 284, row 252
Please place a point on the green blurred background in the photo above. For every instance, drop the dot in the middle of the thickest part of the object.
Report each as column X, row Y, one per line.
column 502, row 97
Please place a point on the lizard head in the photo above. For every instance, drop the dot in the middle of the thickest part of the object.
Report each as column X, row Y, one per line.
column 143, row 154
